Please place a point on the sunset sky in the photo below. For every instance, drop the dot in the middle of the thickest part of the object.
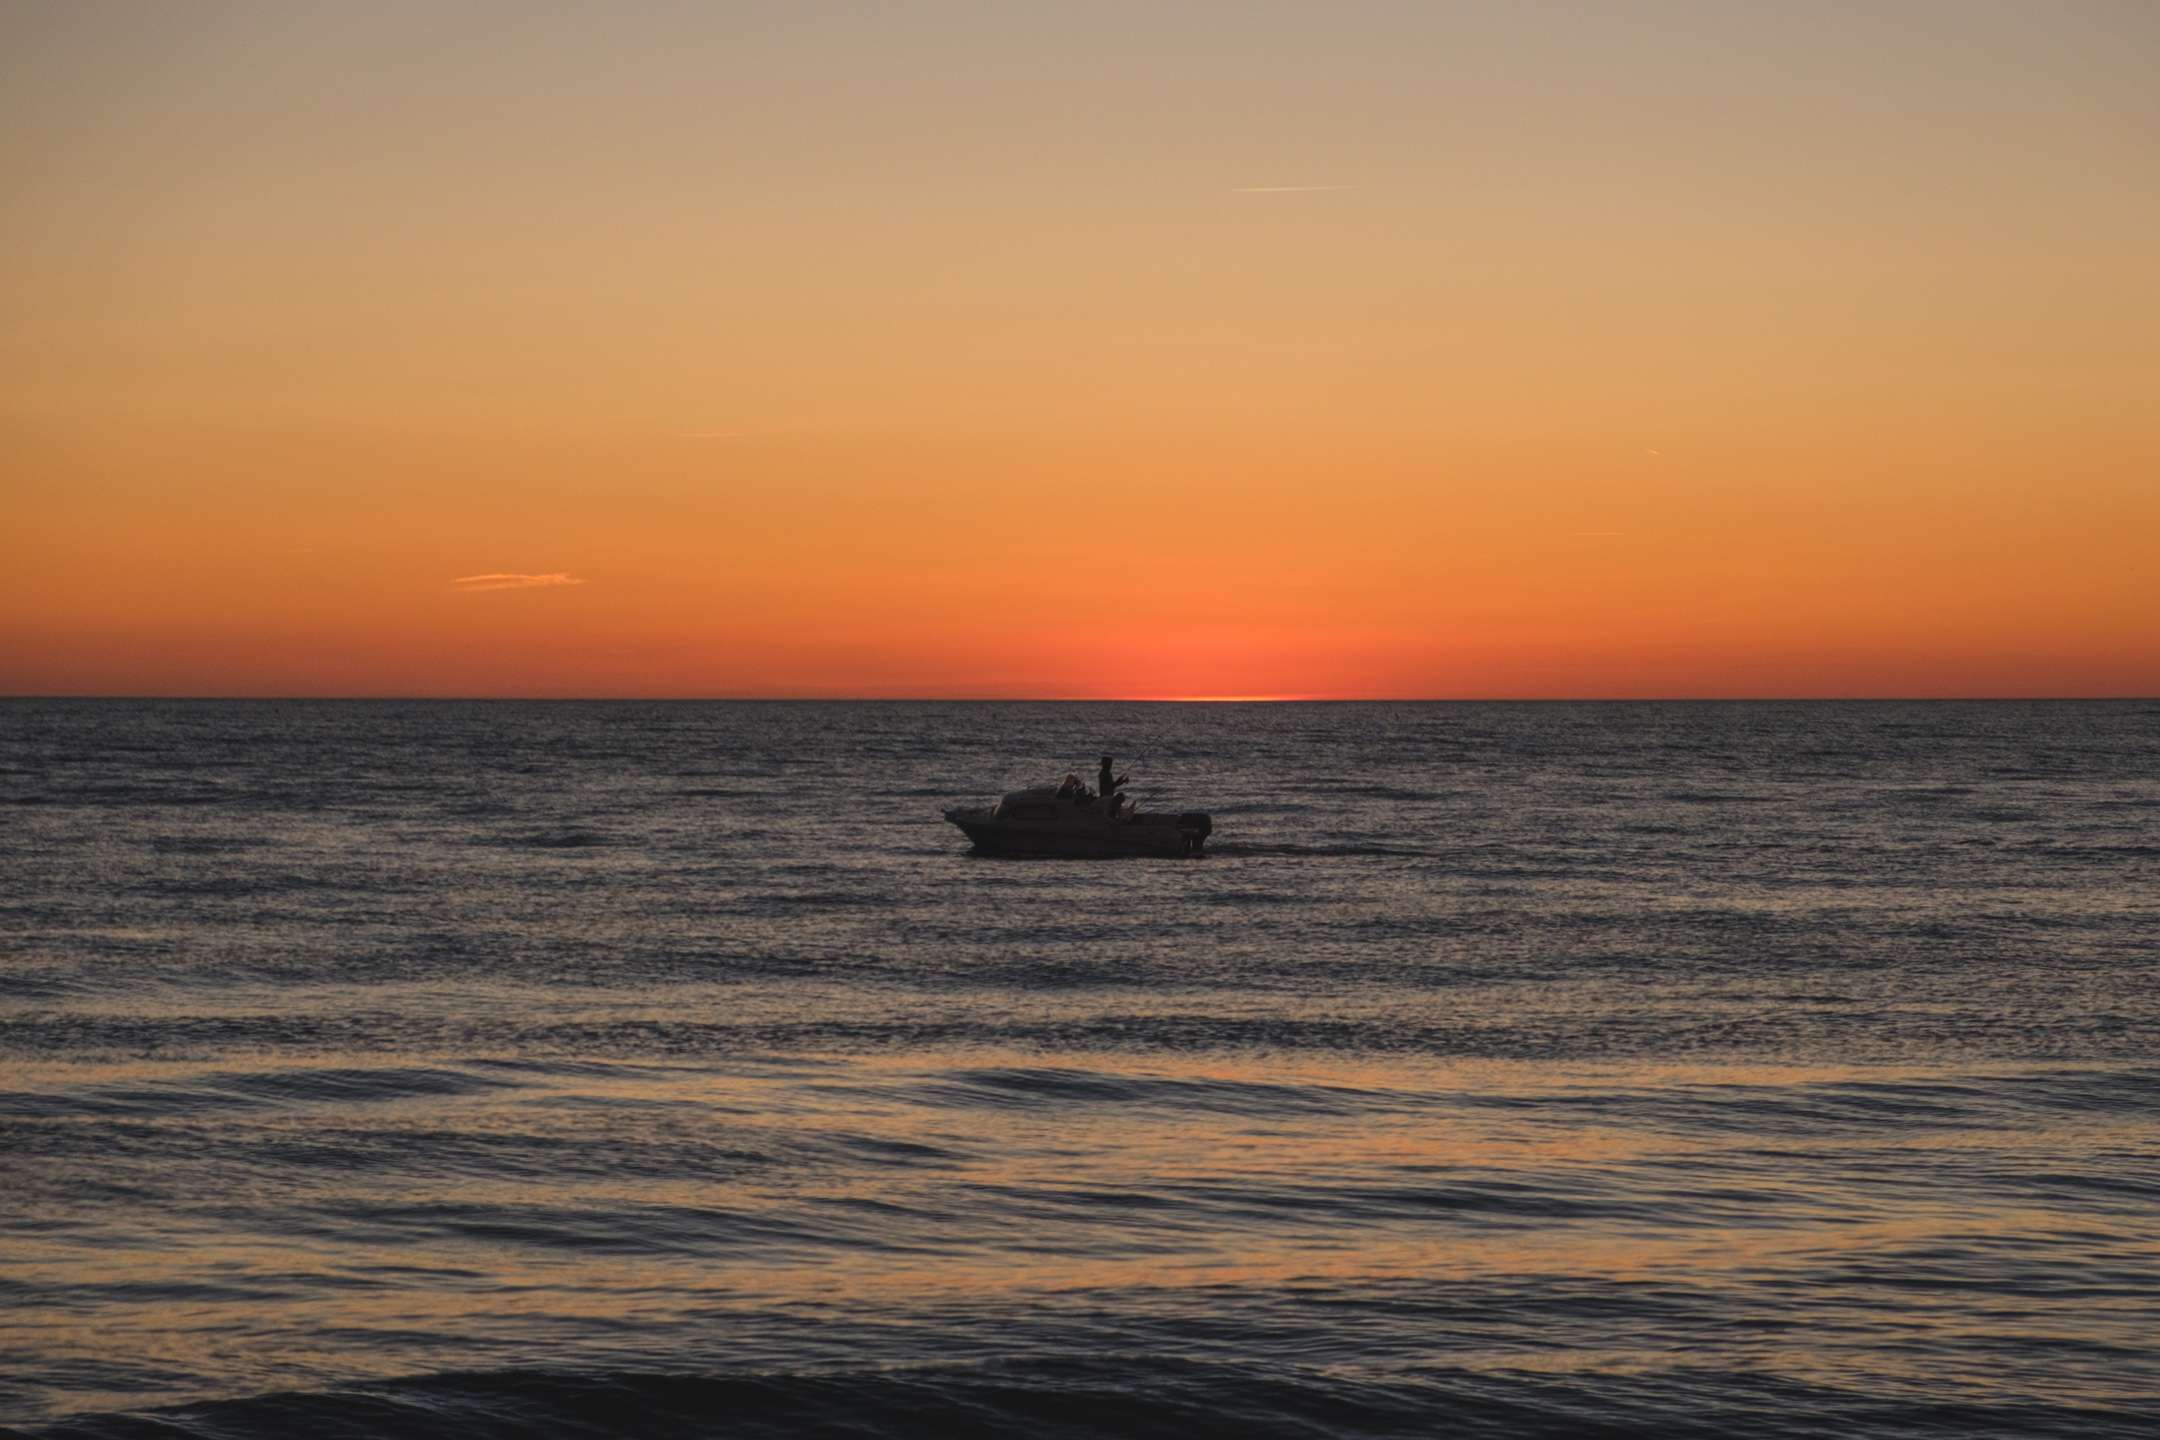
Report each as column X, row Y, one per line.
column 893, row 349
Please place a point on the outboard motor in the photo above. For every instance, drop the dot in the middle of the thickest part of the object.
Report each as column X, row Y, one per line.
column 1194, row 827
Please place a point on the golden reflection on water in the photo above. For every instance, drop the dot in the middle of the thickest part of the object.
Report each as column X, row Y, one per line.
column 986, row 1184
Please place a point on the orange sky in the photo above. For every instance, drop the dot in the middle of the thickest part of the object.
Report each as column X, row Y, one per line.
column 954, row 349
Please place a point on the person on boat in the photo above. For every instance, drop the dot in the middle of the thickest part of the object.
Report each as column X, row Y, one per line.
column 1070, row 788
column 1109, row 783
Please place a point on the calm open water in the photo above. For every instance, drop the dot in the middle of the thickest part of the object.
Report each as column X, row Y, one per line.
column 631, row 1069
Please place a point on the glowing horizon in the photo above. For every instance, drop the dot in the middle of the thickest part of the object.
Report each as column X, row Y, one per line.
column 1701, row 351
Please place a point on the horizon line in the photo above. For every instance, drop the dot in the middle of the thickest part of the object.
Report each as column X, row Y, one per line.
column 452, row 699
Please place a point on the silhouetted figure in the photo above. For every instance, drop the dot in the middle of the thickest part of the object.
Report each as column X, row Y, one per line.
column 1070, row 789
column 1109, row 785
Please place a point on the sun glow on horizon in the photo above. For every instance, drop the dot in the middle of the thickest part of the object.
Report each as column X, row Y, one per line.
column 341, row 364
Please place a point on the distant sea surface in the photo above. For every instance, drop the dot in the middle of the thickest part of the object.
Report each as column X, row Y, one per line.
column 570, row 1070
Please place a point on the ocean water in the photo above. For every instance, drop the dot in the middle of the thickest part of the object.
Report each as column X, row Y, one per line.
column 656, row 1069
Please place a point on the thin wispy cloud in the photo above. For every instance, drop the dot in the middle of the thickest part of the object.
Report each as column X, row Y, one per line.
column 470, row 584
column 1287, row 189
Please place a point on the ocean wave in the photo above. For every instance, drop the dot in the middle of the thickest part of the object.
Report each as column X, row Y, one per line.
column 571, row 839
column 1349, row 849
column 1098, row 1397
column 1002, row 1088
column 240, row 1090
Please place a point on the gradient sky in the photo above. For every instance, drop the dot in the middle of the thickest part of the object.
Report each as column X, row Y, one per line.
column 1352, row 349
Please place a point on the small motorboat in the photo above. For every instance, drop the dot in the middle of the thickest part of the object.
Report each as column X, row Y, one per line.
column 1075, row 823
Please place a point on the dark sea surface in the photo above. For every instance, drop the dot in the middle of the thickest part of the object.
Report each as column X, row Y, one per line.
column 653, row 1069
